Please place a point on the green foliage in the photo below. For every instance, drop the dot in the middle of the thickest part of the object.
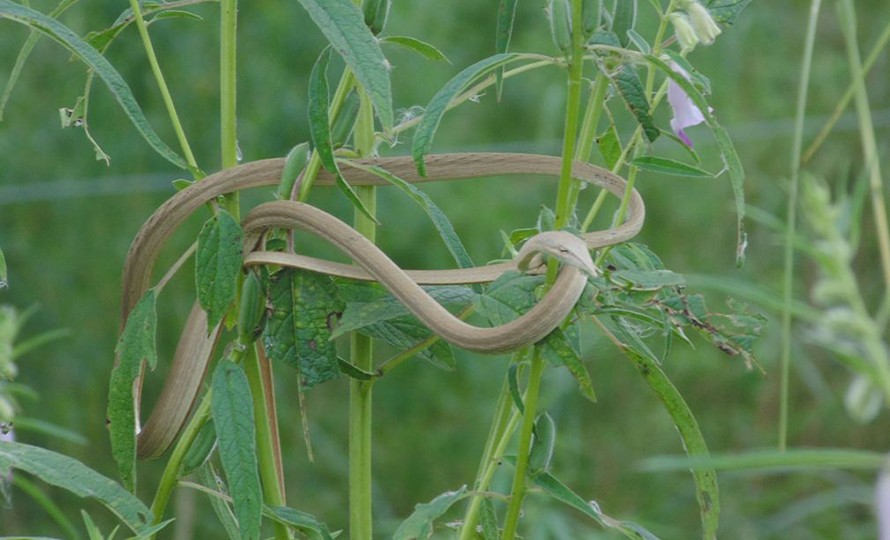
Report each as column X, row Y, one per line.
column 419, row 525
column 217, row 265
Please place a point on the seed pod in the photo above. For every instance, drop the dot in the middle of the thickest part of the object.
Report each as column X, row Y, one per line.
column 542, row 448
column 375, row 12
column 590, row 16
column 253, row 303
column 345, row 120
column 560, row 24
column 200, row 449
column 293, row 165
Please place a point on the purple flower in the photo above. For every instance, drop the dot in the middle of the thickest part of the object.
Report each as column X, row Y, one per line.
column 686, row 113
column 882, row 504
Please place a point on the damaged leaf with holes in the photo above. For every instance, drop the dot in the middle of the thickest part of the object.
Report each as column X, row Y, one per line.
column 304, row 310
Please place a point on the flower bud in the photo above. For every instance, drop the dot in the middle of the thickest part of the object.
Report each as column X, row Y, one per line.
column 705, row 27
column 686, row 36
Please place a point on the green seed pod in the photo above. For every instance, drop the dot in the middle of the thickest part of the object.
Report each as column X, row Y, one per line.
column 345, row 120
column 253, row 304
column 200, row 449
column 542, row 448
column 375, row 12
column 590, row 16
column 560, row 24
column 293, row 165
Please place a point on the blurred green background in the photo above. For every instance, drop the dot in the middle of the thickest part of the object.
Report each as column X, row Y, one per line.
column 66, row 221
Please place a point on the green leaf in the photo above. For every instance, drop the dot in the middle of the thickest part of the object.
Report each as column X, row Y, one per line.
column 209, row 477
column 317, row 109
column 513, row 385
column 489, row 521
column 232, row 409
column 509, row 296
column 792, row 459
column 420, row 47
column 609, row 145
column 135, row 346
column 437, row 216
column 305, row 307
column 404, row 333
column 705, row 478
column 631, row 89
column 435, row 109
column 724, row 143
column 726, row 11
column 358, row 315
column 559, row 491
column 217, row 265
column 561, row 348
column 302, row 521
column 419, row 525
column 503, row 33
column 72, row 475
column 343, row 24
column 96, row 62
column 669, row 166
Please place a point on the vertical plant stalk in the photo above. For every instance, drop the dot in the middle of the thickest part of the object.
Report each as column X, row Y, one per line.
column 228, row 63
column 361, row 525
column 162, row 86
column 790, row 230
column 847, row 13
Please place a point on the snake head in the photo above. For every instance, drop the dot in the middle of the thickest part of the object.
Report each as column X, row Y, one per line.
column 563, row 245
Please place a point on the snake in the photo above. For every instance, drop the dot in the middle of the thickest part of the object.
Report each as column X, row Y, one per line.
column 197, row 342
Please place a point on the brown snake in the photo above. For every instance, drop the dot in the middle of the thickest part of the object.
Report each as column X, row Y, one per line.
column 196, row 344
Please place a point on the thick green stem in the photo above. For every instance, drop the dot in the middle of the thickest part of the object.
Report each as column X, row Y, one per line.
column 790, row 231
column 228, row 94
column 162, row 85
column 361, row 352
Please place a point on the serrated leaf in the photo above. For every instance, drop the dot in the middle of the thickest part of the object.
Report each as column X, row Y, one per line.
column 669, row 166
column 405, row 333
column 419, row 525
column 561, row 348
column 343, row 24
column 360, row 314
column 560, row 492
column 302, row 521
column 422, row 48
column 232, row 409
column 726, row 11
column 217, row 265
column 437, row 216
column 435, row 109
column 135, row 346
column 724, row 143
column 509, row 296
column 305, row 307
column 630, row 87
column 96, row 62
column 72, row 475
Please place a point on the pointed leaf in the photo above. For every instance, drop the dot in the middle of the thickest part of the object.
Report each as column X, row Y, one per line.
column 89, row 55
column 232, row 409
column 317, row 109
column 420, row 47
column 343, row 24
column 726, row 11
column 405, row 333
column 669, row 166
column 503, row 33
column 561, row 348
column 305, row 307
column 217, row 265
column 72, row 475
column 610, row 145
column 135, row 346
column 419, row 525
column 304, row 522
column 623, row 19
column 426, row 130
column 629, row 85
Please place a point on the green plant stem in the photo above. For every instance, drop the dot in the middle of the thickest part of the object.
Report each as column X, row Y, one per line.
column 517, row 492
column 228, row 62
column 171, row 471
column 867, row 134
column 788, row 282
column 162, row 86
column 49, row 506
column 267, row 451
column 361, row 525
column 587, row 136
